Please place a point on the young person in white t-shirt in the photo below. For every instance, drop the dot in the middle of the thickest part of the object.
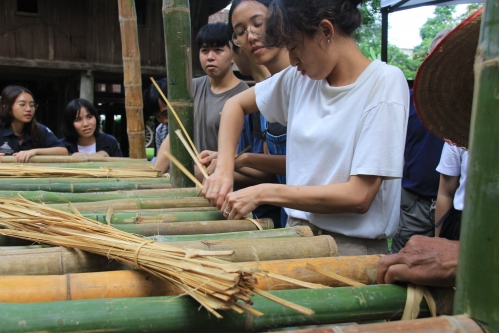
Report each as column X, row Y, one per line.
column 346, row 118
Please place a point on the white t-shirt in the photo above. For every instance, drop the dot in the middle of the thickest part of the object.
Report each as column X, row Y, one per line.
column 336, row 132
column 454, row 163
column 87, row 149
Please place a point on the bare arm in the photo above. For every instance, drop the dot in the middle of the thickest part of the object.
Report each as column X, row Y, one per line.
column 353, row 196
column 24, row 155
column 428, row 261
column 162, row 161
column 275, row 164
column 220, row 183
column 448, row 185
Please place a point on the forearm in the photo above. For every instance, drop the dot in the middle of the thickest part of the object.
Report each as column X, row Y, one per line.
column 162, row 161
column 444, row 201
column 257, row 175
column 51, row 151
column 275, row 164
column 242, row 181
column 354, row 196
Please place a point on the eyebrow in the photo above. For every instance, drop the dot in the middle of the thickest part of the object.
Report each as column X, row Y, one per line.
column 251, row 18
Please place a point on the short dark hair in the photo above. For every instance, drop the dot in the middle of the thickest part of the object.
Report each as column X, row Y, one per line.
column 150, row 98
column 72, row 110
column 213, row 35
column 285, row 17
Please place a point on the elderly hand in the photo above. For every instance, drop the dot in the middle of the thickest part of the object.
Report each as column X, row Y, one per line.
column 428, row 261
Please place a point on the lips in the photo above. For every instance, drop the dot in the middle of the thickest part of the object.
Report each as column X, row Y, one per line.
column 256, row 49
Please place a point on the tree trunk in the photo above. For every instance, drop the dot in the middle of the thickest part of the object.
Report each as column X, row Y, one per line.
column 177, row 29
column 132, row 78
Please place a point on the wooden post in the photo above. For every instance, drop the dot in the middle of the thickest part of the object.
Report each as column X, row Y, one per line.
column 132, row 78
column 87, row 86
column 177, row 29
column 477, row 276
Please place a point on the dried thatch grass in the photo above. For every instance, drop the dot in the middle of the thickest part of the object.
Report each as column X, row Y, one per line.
column 214, row 283
column 37, row 171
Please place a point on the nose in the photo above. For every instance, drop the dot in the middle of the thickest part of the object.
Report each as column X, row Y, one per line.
column 211, row 55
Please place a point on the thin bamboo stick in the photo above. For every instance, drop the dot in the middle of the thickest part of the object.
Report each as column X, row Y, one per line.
column 183, row 169
column 194, row 156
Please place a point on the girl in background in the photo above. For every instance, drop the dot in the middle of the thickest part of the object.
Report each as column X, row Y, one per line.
column 81, row 135
column 21, row 135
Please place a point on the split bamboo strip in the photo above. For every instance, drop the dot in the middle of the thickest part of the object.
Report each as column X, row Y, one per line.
column 182, row 168
column 179, row 314
column 336, row 276
column 132, row 82
column 124, row 204
column 300, row 231
column 193, row 155
column 214, row 284
column 72, row 159
column 32, row 171
column 193, row 228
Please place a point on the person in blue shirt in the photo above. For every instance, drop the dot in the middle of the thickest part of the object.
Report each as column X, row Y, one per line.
column 81, row 135
column 20, row 133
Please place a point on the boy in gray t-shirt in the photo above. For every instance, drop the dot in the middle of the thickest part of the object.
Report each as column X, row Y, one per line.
column 210, row 92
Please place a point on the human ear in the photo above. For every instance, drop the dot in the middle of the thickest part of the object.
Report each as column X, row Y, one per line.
column 327, row 29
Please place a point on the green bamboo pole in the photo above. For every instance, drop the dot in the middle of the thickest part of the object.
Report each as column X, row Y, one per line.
column 47, row 159
column 177, row 31
column 132, row 78
column 61, row 197
column 301, row 231
column 182, row 314
column 81, row 187
column 137, row 203
column 70, row 180
column 157, row 216
column 193, row 228
column 139, row 164
column 477, row 276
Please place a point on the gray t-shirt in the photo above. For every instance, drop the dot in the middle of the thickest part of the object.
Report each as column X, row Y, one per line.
column 207, row 109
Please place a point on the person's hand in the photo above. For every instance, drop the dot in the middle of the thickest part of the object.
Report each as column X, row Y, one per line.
column 238, row 204
column 101, row 153
column 207, row 156
column 217, row 186
column 427, row 261
column 24, row 155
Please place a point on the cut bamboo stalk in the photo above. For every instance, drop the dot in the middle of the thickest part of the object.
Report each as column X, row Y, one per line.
column 156, row 216
column 336, row 276
column 84, row 187
column 267, row 248
column 36, row 171
column 132, row 78
column 124, row 204
column 193, row 228
column 71, row 159
column 180, row 314
column 300, row 231
column 66, row 180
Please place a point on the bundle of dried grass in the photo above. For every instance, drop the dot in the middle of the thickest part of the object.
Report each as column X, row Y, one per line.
column 37, row 171
column 214, row 283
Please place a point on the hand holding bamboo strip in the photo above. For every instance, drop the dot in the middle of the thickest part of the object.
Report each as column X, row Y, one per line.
column 213, row 283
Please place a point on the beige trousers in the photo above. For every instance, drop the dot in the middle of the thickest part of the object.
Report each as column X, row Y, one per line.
column 347, row 246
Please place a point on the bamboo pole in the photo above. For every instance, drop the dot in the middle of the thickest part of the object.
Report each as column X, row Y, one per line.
column 267, row 248
column 61, row 197
column 177, row 31
column 156, row 216
column 193, row 228
column 181, row 314
column 125, row 204
column 83, row 187
column 477, row 275
column 69, row 180
column 132, row 78
column 300, row 231
column 71, row 159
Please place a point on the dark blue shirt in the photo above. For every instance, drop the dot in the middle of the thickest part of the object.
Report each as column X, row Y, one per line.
column 10, row 141
column 103, row 141
column 422, row 155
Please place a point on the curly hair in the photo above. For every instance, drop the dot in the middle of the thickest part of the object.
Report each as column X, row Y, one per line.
column 286, row 17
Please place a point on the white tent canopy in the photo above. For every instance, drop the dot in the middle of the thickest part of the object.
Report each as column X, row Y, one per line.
column 396, row 5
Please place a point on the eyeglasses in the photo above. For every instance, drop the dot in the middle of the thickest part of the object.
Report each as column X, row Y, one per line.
column 240, row 37
column 33, row 106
